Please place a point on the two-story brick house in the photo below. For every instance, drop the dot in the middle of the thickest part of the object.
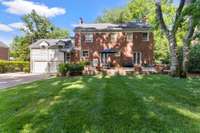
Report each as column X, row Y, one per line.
column 114, row 44
column 101, row 44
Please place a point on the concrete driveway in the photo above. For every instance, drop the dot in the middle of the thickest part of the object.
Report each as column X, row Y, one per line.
column 13, row 79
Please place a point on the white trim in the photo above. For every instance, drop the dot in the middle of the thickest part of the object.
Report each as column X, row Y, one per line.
column 147, row 37
column 137, row 62
column 82, row 53
column 128, row 34
column 87, row 37
column 115, row 37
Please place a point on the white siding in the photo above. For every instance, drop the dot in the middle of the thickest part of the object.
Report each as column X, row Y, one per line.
column 45, row 60
column 46, row 55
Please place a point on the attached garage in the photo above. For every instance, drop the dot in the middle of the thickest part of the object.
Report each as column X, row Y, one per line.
column 40, row 67
column 46, row 55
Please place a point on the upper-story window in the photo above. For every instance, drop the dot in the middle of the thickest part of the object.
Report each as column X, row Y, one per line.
column 129, row 37
column 89, row 37
column 145, row 36
column 113, row 37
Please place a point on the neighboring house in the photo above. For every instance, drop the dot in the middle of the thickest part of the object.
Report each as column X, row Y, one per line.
column 115, row 44
column 4, row 50
column 47, row 54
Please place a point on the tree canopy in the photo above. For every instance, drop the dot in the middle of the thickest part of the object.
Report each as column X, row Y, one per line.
column 36, row 27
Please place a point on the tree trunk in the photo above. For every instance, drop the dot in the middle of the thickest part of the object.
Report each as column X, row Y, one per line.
column 185, row 60
column 174, row 59
column 171, row 34
column 186, row 43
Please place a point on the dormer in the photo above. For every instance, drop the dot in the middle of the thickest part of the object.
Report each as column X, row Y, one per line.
column 44, row 44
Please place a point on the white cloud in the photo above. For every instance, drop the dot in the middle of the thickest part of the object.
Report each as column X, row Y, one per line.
column 5, row 28
column 17, row 25
column 22, row 7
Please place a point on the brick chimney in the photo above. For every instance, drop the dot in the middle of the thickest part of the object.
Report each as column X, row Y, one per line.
column 81, row 20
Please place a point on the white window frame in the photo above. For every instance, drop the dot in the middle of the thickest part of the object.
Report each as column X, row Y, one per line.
column 68, row 57
column 145, row 39
column 118, row 54
column 129, row 37
column 83, row 54
column 89, row 37
column 113, row 37
column 137, row 62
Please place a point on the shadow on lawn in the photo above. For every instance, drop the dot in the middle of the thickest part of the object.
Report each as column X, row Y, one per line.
column 106, row 104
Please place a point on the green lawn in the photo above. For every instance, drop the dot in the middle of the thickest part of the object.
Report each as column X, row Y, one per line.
column 100, row 104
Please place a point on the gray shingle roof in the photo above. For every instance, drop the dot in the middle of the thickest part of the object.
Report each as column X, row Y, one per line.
column 3, row 45
column 112, row 27
column 50, row 42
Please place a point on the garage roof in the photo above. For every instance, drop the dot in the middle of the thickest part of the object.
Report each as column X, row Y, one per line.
column 50, row 42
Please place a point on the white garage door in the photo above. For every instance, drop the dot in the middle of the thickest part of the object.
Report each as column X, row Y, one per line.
column 40, row 67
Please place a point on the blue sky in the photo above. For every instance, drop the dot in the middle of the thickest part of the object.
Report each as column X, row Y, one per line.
column 71, row 11
column 63, row 13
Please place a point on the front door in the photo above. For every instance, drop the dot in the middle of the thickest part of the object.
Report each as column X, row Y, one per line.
column 137, row 58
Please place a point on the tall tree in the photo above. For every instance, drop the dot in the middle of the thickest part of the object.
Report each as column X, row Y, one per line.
column 192, row 15
column 39, row 27
column 187, row 13
column 171, row 33
column 116, row 15
column 36, row 27
column 20, row 49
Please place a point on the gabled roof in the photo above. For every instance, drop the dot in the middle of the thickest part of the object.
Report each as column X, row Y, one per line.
column 3, row 45
column 50, row 42
column 133, row 26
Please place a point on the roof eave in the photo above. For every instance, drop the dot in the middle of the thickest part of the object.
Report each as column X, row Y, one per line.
column 111, row 30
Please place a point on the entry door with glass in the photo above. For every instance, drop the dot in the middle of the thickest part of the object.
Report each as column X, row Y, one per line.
column 137, row 58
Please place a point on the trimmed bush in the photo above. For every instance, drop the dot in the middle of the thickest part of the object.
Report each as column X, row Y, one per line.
column 14, row 66
column 85, row 63
column 63, row 69
column 73, row 69
column 76, row 69
column 194, row 63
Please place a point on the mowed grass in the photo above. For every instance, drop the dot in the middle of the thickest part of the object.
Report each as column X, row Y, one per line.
column 98, row 104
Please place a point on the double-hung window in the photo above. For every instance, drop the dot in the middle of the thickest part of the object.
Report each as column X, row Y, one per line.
column 89, row 37
column 129, row 37
column 85, row 53
column 113, row 37
column 145, row 36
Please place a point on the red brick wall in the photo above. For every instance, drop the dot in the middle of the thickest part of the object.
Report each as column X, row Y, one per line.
column 103, row 41
column 3, row 53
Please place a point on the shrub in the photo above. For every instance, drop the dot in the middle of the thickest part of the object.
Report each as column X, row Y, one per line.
column 63, row 69
column 76, row 68
column 14, row 66
column 26, row 69
column 194, row 62
column 85, row 63
column 73, row 69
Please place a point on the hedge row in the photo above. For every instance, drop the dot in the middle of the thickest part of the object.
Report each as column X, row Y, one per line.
column 14, row 66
